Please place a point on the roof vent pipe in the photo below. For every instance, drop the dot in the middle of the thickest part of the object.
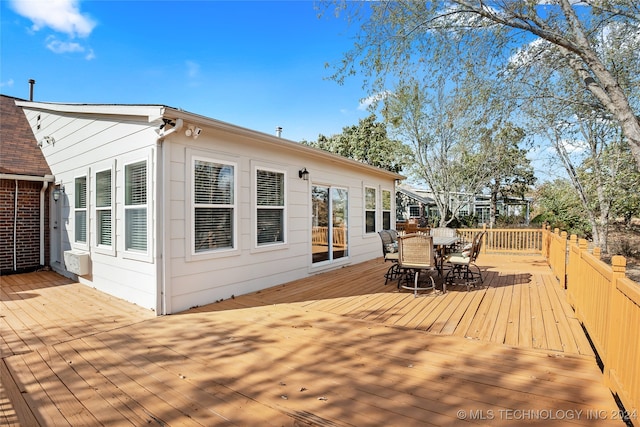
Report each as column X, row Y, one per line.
column 279, row 131
column 31, row 84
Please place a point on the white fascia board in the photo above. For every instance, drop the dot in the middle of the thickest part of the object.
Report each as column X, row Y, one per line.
column 306, row 150
column 152, row 112
column 37, row 178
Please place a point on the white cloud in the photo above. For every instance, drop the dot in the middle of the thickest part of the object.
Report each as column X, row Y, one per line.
column 368, row 101
column 57, row 46
column 8, row 83
column 63, row 16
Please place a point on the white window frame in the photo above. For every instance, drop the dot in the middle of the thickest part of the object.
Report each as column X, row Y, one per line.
column 192, row 255
column 367, row 209
column 383, row 210
column 255, row 208
column 129, row 253
column 101, row 248
column 78, row 244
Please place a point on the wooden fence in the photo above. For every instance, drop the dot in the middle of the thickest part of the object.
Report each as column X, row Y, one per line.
column 607, row 303
column 506, row 240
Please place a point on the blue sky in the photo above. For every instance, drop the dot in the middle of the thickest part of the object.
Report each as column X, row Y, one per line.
column 256, row 64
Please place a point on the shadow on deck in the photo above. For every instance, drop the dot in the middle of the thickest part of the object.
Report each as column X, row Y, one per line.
column 336, row 349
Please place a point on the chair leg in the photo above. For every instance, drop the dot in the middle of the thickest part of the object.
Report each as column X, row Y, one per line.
column 392, row 273
column 416, row 276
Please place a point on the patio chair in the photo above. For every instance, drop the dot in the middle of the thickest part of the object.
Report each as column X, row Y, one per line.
column 463, row 266
column 389, row 240
column 416, row 254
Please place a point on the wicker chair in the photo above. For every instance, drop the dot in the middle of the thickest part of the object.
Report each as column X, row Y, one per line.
column 389, row 240
column 415, row 254
column 463, row 265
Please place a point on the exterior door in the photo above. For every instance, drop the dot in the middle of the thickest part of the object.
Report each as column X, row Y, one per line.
column 330, row 228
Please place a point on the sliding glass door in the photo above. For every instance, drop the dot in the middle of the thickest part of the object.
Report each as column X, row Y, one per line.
column 329, row 231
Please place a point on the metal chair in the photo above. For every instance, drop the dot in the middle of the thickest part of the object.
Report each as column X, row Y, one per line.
column 462, row 262
column 415, row 255
column 389, row 240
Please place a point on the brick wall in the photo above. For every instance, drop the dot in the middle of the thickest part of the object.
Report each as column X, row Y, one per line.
column 28, row 226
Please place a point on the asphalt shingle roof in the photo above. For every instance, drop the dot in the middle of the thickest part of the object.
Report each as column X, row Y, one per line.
column 19, row 151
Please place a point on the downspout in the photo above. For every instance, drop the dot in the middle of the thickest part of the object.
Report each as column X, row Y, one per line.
column 45, row 185
column 15, row 228
column 161, row 262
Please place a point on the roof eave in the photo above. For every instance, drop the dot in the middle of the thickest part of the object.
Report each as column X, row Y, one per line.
column 172, row 113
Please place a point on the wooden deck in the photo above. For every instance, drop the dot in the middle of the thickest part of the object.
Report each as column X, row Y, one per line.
column 336, row 349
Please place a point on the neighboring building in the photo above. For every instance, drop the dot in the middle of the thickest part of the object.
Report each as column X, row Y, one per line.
column 416, row 203
column 170, row 210
column 25, row 180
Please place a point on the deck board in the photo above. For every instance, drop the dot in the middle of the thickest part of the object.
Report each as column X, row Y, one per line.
column 334, row 349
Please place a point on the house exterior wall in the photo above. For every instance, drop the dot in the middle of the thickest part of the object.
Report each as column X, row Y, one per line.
column 199, row 279
column 171, row 276
column 83, row 145
column 27, row 226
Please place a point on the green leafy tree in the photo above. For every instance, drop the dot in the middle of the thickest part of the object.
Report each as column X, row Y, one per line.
column 624, row 184
column 508, row 168
column 368, row 143
column 441, row 132
column 596, row 40
column 558, row 204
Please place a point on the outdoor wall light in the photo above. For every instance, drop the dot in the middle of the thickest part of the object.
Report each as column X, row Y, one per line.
column 56, row 194
column 304, row 174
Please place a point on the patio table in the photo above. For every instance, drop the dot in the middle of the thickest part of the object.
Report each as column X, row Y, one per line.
column 441, row 243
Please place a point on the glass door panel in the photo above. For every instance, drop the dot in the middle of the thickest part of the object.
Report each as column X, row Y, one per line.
column 329, row 231
column 339, row 217
column 320, row 223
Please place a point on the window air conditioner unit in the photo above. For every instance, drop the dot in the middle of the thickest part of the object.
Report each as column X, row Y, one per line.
column 77, row 262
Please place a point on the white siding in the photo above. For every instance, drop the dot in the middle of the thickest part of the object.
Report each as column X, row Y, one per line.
column 84, row 144
column 172, row 277
column 202, row 280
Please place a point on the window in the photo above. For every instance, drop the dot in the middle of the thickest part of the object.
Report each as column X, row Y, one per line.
column 386, row 209
column 370, row 209
column 270, row 195
column 213, row 205
column 80, row 209
column 135, row 206
column 104, row 208
column 414, row 211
